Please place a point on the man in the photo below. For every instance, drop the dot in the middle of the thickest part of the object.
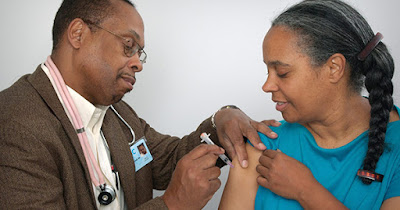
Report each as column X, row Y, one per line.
column 142, row 149
column 67, row 146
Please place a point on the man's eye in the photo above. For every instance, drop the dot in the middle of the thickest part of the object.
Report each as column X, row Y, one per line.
column 128, row 47
column 130, row 43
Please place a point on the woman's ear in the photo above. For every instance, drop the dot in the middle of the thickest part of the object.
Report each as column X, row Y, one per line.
column 337, row 67
column 75, row 32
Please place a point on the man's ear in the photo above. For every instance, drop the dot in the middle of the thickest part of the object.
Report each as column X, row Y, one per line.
column 75, row 32
column 337, row 66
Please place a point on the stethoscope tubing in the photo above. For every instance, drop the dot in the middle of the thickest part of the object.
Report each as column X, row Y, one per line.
column 77, row 123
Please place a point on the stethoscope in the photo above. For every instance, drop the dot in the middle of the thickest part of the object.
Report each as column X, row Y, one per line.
column 107, row 193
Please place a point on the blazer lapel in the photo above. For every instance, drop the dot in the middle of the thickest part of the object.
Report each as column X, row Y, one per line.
column 43, row 86
column 121, row 155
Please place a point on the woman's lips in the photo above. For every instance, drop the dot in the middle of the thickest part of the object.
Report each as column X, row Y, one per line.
column 280, row 106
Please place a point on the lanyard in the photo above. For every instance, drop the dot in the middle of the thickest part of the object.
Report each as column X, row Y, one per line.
column 77, row 123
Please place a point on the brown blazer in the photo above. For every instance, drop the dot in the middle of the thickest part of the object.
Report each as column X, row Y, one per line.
column 42, row 165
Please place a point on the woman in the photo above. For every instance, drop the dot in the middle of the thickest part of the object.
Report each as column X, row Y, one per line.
column 336, row 149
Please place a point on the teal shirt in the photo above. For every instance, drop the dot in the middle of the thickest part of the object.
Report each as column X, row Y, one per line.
column 336, row 169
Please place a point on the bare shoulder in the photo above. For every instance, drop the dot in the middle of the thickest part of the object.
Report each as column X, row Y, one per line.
column 394, row 115
column 241, row 188
column 254, row 155
column 391, row 203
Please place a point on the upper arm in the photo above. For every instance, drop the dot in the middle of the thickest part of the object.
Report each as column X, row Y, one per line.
column 391, row 203
column 241, row 188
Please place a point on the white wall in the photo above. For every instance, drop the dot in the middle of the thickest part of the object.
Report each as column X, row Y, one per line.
column 202, row 54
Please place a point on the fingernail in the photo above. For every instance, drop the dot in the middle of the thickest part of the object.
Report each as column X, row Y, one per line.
column 262, row 146
column 245, row 164
column 273, row 134
column 278, row 123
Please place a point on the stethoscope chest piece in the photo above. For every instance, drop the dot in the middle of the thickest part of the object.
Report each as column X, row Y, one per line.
column 107, row 194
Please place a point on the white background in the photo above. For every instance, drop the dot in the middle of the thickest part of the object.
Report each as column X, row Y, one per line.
column 202, row 55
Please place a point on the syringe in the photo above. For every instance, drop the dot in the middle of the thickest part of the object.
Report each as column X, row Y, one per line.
column 205, row 138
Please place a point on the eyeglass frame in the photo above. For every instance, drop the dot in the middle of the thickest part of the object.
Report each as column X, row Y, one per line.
column 139, row 49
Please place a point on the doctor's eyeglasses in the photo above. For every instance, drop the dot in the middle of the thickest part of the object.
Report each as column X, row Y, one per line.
column 131, row 47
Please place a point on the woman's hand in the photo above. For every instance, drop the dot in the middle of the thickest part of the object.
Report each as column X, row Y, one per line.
column 284, row 175
column 289, row 178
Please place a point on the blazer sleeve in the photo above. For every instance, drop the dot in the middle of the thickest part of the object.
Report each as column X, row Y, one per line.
column 29, row 177
column 167, row 150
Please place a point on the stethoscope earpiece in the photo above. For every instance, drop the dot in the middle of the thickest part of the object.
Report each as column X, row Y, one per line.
column 107, row 194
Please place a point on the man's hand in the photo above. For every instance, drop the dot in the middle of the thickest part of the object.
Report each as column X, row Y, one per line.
column 233, row 124
column 195, row 179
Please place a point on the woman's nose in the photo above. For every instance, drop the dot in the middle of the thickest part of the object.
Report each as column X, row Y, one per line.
column 270, row 85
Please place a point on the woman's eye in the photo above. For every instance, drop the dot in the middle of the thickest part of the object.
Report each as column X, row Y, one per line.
column 282, row 75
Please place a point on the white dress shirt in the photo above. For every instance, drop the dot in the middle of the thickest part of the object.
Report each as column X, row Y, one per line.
column 92, row 119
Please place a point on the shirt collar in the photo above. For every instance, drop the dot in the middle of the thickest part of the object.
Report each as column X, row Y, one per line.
column 92, row 116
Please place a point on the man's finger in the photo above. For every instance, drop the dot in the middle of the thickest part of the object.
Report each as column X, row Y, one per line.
column 264, row 128
column 215, row 184
column 228, row 146
column 273, row 123
column 241, row 153
column 204, row 149
column 239, row 149
column 252, row 135
column 206, row 161
column 212, row 173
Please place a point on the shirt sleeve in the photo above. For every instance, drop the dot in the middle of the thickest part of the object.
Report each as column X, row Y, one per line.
column 394, row 186
column 272, row 143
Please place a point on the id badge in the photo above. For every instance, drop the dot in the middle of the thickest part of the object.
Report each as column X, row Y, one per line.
column 141, row 154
